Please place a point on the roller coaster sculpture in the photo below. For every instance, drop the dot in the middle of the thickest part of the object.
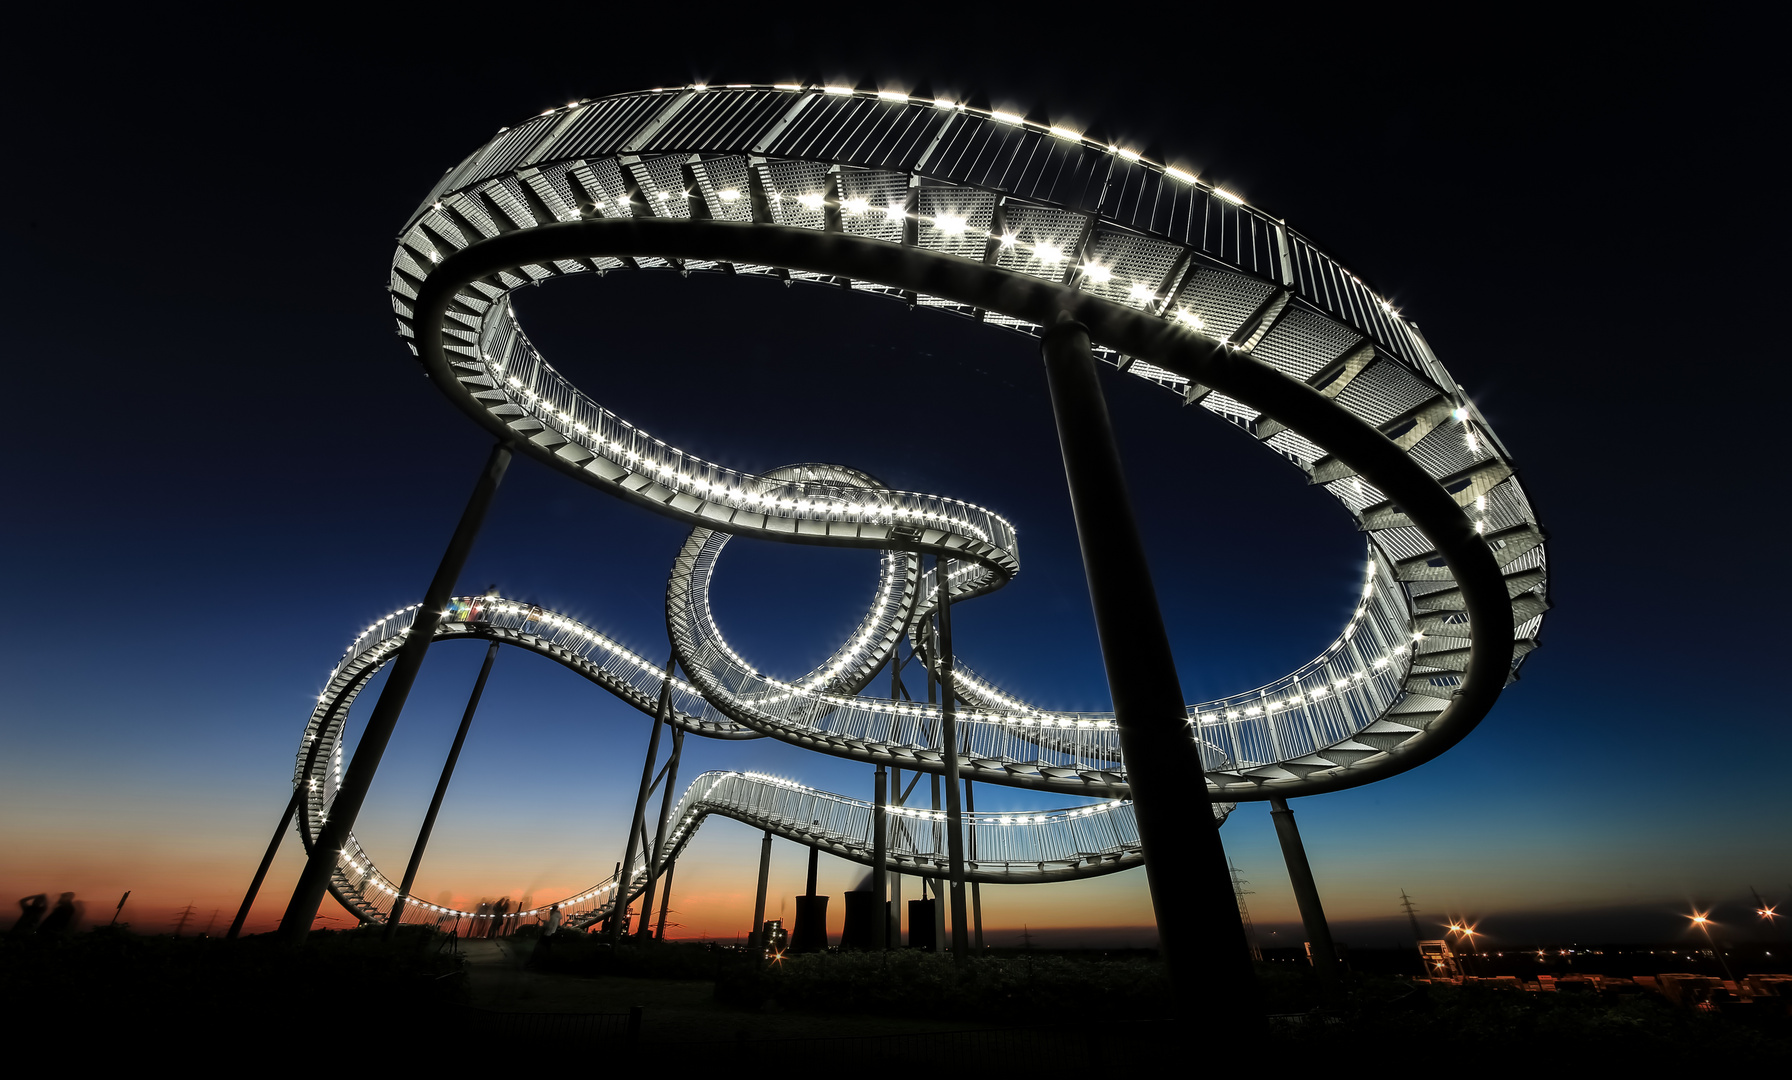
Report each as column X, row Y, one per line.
column 1012, row 223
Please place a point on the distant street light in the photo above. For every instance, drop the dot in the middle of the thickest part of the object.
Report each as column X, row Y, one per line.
column 1700, row 920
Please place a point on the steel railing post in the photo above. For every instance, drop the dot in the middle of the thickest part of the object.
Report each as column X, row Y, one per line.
column 435, row 802
column 301, row 911
column 1191, row 888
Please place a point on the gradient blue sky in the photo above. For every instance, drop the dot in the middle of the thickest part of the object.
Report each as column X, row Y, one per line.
column 225, row 465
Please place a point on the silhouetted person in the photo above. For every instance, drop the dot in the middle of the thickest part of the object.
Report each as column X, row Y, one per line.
column 500, row 911
column 61, row 918
column 31, row 912
column 549, row 927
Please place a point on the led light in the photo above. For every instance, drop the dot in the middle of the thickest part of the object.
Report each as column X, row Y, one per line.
column 1174, row 173
column 812, row 200
column 854, row 206
column 787, row 86
column 1228, row 196
column 838, row 91
column 950, row 224
column 1096, row 273
column 1189, row 318
column 1459, row 414
column 1006, row 117
column 1129, row 155
column 1065, row 133
column 945, row 103
column 892, row 95
column 729, row 194
column 895, row 212
column 1142, row 293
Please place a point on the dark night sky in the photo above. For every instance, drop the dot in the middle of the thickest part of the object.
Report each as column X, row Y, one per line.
column 226, row 464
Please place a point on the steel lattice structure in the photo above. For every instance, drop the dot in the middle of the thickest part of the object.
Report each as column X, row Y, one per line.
column 1017, row 224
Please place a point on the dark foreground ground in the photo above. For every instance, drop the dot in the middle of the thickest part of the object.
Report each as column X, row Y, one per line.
column 350, row 999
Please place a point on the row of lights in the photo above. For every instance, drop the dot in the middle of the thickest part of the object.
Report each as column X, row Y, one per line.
column 1000, row 116
column 741, row 495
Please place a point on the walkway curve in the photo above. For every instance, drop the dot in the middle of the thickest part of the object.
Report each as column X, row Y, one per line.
column 1180, row 283
column 1076, row 842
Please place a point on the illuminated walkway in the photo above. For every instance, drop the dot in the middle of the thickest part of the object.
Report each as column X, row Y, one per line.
column 1018, row 225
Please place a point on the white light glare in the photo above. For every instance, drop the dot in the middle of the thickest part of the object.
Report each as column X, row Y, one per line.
column 729, row 194
column 1193, row 321
column 1048, row 253
column 892, row 95
column 1130, row 155
column 950, row 224
column 1066, row 133
column 1142, row 293
column 1228, row 196
column 1097, row 273
column 838, row 91
column 1006, row 117
column 946, row 103
column 1174, row 173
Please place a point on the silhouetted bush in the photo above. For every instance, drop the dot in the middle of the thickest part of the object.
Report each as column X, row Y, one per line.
column 143, row 984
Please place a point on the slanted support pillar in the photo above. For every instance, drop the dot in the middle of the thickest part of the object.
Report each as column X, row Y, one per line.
column 435, row 801
column 1198, row 926
column 666, row 900
column 658, row 852
column 765, row 871
column 267, row 860
column 636, row 830
column 1306, row 893
column 301, row 911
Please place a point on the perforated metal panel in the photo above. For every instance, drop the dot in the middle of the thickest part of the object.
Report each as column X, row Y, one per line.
column 607, row 176
column 1383, row 391
column 1137, row 267
column 866, row 196
column 726, row 188
column 1045, row 241
column 665, row 189
column 788, row 184
column 1302, row 344
column 968, row 210
column 1220, row 300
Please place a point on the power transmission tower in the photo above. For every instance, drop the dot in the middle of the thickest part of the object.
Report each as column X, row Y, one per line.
column 1411, row 916
column 186, row 913
column 1244, row 913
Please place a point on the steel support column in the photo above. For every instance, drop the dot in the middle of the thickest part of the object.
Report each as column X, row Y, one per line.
column 970, row 807
column 625, row 873
column 301, row 911
column 880, row 854
column 1198, row 927
column 757, row 940
column 666, row 900
column 961, row 942
column 1306, row 893
column 435, row 801
column 659, row 839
